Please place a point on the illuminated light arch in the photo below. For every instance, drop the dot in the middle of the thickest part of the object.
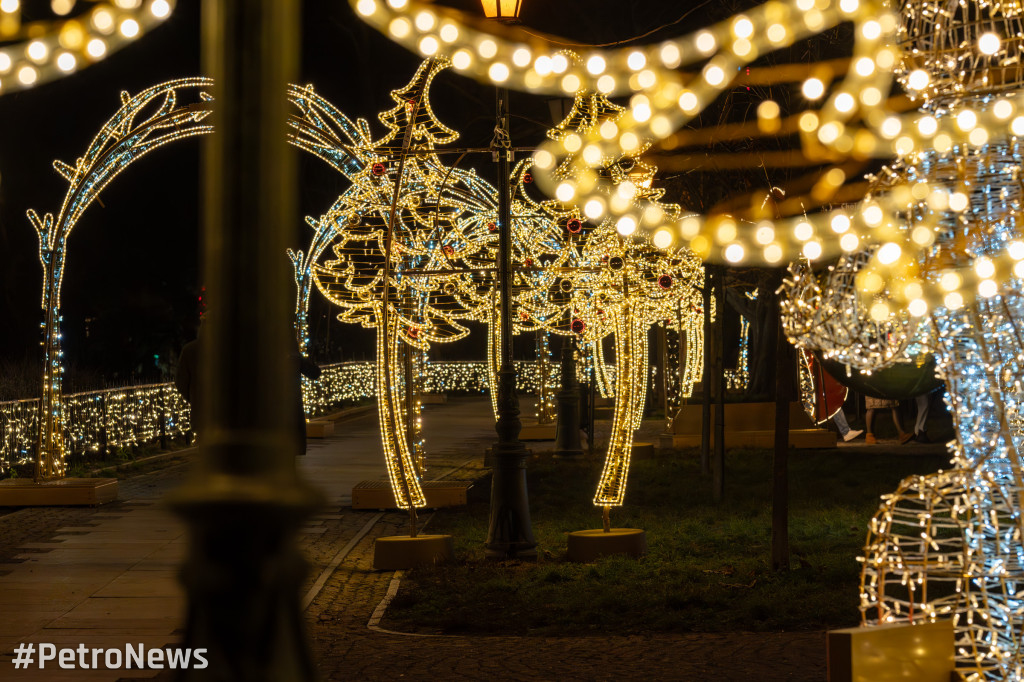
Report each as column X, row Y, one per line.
column 161, row 114
column 43, row 50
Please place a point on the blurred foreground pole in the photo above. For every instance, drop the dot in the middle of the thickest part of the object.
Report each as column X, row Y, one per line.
column 244, row 504
column 786, row 356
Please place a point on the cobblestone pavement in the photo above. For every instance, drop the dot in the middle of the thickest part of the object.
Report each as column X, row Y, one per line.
column 347, row 590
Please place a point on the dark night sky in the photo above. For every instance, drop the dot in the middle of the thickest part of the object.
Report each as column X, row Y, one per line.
column 132, row 263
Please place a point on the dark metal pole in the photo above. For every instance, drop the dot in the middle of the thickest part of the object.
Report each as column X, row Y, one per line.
column 718, row 463
column 707, row 382
column 510, row 533
column 780, row 460
column 245, row 502
column 567, row 428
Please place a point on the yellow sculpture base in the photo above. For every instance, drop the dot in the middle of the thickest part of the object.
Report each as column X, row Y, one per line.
column 888, row 653
column 589, row 545
column 401, row 551
column 64, row 492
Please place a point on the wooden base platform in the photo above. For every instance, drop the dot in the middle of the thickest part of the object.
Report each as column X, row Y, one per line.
column 641, row 449
column 399, row 552
column 586, row 546
column 319, row 428
column 748, row 425
column 378, row 495
column 889, row 653
column 535, row 431
column 65, row 492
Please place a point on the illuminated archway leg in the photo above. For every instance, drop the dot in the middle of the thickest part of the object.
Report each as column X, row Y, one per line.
column 630, row 384
column 391, row 409
column 50, row 450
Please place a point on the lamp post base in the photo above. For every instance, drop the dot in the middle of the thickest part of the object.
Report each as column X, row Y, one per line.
column 510, row 533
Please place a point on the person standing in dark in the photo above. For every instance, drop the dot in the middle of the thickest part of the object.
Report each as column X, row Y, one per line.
column 304, row 367
column 187, row 380
column 186, row 376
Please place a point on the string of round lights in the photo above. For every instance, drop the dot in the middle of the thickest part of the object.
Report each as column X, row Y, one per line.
column 79, row 33
column 663, row 98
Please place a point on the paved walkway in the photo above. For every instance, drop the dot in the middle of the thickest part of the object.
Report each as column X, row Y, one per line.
column 105, row 577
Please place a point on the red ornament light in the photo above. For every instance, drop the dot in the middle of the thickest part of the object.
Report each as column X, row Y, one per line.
column 665, row 281
column 378, row 169
column 492, row 227
column 527, row 178
column 574, row 225
column 578, row 326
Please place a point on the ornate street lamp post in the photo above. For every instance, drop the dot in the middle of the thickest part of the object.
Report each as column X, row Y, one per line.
column 510, row 533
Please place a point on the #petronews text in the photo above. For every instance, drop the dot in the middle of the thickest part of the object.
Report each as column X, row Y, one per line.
column 112, row 659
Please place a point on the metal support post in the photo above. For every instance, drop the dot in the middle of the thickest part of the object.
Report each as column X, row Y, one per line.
column 244, row 503
column 567, row 428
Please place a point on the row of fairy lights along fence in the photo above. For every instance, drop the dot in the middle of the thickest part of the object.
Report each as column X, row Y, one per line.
column 134, row 415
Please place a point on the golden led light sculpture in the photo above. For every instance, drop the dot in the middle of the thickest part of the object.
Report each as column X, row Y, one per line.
column 603, row 282
column 950, row 544
column 400, row 263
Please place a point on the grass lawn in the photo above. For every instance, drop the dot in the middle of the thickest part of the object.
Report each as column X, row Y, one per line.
column 708, row 565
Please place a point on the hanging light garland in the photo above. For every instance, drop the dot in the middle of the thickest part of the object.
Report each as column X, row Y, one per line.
column 80, row 33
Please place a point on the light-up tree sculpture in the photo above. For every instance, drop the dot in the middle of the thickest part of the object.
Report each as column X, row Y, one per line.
column 610, row 283
column 327, row 133
column 637, row 287
column 400, row 260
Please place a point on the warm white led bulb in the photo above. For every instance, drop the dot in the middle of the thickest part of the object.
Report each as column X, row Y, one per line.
column 917, row 79
column 989, row 43
column 129, row 28
column 734, row 253
column 813, row 88
column 96, row 48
